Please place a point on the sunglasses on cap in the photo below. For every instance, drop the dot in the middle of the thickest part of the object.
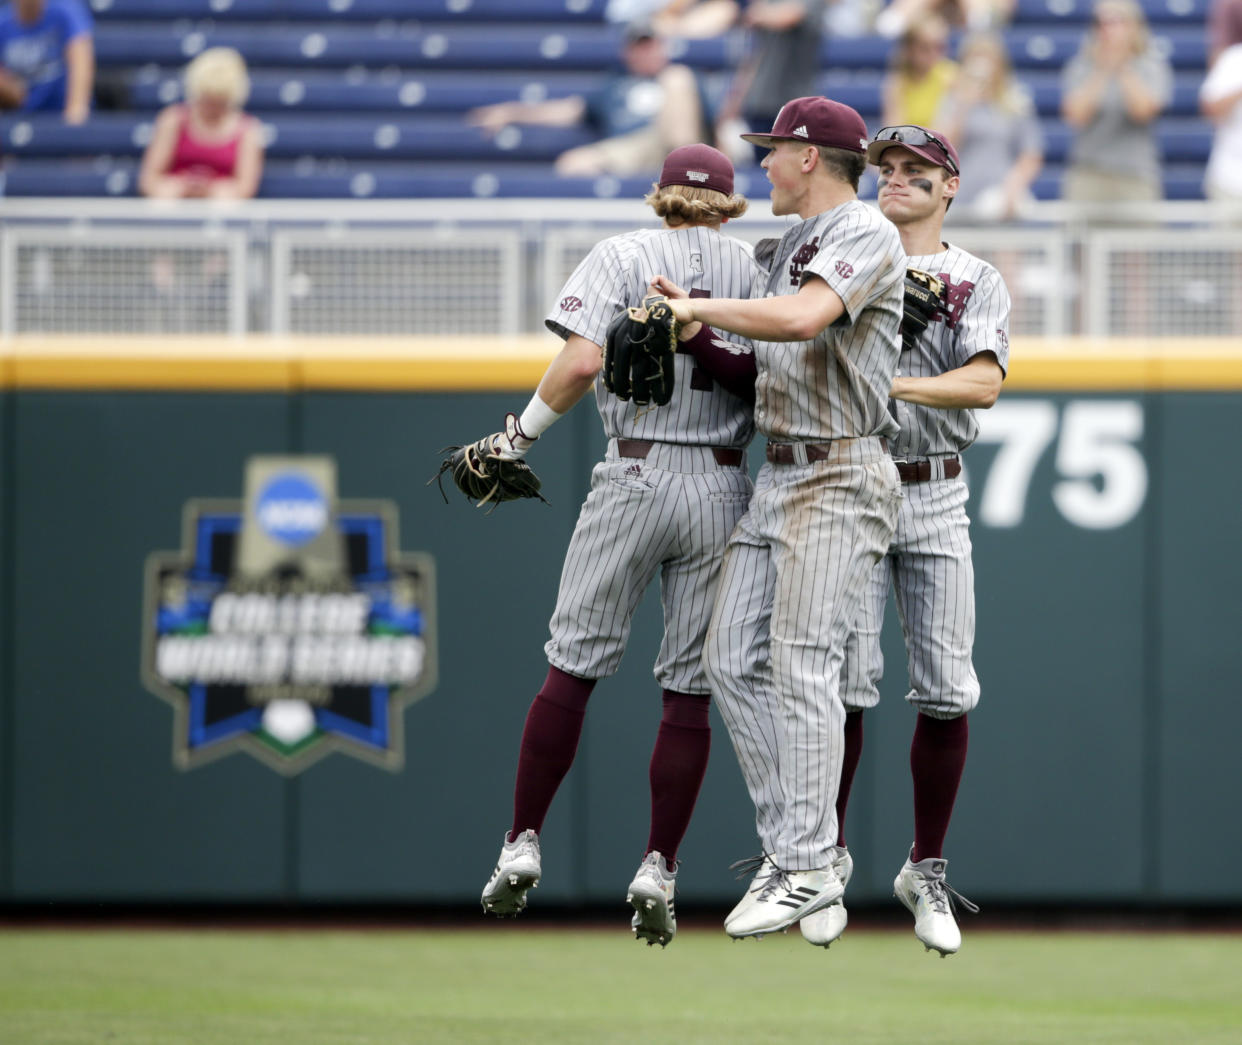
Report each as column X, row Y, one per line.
column 916, row 136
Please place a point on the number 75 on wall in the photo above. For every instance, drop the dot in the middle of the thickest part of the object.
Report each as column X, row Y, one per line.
column 1102, row 474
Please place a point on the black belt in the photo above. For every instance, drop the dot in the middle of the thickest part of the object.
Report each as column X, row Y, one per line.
column 726, row 456
column 787, row 453
column 922, row 471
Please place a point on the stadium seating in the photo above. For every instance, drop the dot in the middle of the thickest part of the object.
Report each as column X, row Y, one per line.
column 367, row 97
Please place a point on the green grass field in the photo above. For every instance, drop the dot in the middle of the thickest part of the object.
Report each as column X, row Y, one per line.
column 513, row 984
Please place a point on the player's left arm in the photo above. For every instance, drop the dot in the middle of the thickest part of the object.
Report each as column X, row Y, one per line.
column 979, row 347
column 977, row 384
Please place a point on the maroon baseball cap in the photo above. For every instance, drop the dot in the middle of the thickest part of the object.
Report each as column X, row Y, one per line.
column 934, row 148
column 816, row 121
column 699, row 166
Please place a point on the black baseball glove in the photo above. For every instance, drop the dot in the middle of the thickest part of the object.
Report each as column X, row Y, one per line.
column 638, row 352
column 484, row 476
column 924, row 300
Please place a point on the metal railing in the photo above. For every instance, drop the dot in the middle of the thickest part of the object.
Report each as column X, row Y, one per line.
column 457, row 267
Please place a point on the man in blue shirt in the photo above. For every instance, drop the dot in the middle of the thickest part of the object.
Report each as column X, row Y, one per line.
column 642, row 111
column 47, row 57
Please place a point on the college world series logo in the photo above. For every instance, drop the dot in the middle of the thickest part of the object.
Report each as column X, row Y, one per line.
column 289, row 625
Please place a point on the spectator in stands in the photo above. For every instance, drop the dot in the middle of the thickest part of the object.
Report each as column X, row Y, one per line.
column 47, row 57
column 208, row 146
column 686, row 19
column 919, row 75
column 783, row 63
column 644, row 112
column 1220, row 98
column 900, row 16
column 992, row 119
column 1224, row 27
column 1112, row 92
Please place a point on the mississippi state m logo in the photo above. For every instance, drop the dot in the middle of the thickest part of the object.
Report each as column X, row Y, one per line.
column 803, row 256
column 956, row 295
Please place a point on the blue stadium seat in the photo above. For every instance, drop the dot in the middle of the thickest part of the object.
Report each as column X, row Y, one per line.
column 365, row 97
column 415, row 46
column 1045, row 88
column 859, row 89
column 1182, row 140
column 1181, row 182
column 361, row 90
column 1157, row 11
column 356, row 10
column 431, row 137
column 1052, row 47
column 306, row 179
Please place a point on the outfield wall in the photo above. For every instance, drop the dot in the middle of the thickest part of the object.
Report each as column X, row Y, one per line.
column 1102, row 766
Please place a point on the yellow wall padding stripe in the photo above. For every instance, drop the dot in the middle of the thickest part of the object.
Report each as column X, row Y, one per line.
column 496, row 364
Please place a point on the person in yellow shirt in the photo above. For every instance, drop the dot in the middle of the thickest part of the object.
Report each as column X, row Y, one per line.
column 919, row 76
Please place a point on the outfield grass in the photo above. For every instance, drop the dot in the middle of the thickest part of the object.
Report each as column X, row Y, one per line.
column 515, row 984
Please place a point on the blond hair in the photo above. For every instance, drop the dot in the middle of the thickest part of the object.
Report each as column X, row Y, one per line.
column 1009, row 95
column 1130, row 10
column 221, row 71
column 690, row 205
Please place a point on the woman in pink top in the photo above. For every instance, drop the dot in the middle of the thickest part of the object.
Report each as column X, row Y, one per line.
column 207, row 147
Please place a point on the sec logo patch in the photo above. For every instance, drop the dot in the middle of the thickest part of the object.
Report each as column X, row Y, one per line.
column 844, row 269
column 571, row 304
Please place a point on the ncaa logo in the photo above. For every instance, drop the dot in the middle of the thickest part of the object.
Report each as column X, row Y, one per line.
column 291, row 509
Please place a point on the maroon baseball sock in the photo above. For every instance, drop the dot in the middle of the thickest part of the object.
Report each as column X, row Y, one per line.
column 937, row 758
column 849, row 764
column 549, row 743
column 678, row 764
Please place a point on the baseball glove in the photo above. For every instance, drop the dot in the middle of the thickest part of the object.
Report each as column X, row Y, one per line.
column 924, row 300
column 638, row 352
column 484, row 476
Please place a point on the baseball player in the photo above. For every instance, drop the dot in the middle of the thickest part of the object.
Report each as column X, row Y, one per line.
column 663, row 501
column 954, row 366
column 825, row 329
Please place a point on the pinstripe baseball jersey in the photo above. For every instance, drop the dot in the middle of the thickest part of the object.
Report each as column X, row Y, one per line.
column 614, row 275
column 977, row 321
column 928, row 564
column 836, row 385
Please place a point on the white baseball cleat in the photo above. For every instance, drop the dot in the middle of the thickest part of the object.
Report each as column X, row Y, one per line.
column 762, row 866
column 651, row 896
column 824, row 926
column 517, row 869
column 786, row 897
column 922, row 888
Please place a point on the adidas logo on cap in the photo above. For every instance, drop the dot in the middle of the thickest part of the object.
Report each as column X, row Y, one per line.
column 801, row 131
column 697, row 175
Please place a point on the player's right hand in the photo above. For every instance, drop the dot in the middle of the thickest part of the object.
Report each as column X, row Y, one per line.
column 679, row 302
column 664, row 285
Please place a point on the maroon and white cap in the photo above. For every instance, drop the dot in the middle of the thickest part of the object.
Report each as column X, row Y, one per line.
column 935, row 148
column 816, row 121
column 699, row 166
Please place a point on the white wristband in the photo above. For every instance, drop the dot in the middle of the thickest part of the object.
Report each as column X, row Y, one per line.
column 536, row 418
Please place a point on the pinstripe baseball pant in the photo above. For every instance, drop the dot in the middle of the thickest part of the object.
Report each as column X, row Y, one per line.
column 672, row 513
column 929, row 567
column 793, row 579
